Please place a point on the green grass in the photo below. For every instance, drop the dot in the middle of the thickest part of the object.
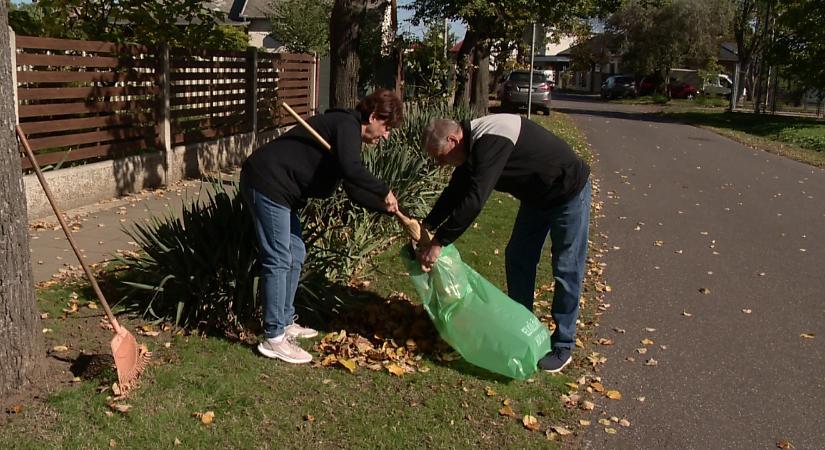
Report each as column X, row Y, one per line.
column 260, row 403
column 802, row 139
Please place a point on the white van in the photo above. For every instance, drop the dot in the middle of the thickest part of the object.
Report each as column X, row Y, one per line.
column 720, row 85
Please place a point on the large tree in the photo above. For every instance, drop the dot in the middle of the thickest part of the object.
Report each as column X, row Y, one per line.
column 20, row 340
column 494, row 20
column 654, row 37
column 301, row 25
column 344, row 37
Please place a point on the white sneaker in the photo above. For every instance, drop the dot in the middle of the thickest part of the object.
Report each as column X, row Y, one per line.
column 285, row 350
column 295, row 330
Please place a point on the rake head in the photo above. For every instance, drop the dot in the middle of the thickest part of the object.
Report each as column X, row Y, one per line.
column 130, row 359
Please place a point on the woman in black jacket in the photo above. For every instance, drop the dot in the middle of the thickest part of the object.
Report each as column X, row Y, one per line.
column 276, row 181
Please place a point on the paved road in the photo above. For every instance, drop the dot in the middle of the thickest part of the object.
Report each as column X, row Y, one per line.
column 744, row 225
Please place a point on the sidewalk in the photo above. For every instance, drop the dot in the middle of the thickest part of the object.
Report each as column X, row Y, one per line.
column 98, row 229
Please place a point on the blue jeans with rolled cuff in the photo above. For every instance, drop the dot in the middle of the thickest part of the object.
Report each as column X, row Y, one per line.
column 567, row 225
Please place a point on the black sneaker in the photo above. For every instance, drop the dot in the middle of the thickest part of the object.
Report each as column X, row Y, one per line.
column 556, row 360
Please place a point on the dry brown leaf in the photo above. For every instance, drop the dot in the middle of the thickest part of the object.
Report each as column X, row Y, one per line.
column 490, row 392
column 605, row 422
column 348, row 364
column 641, row 399
column 44, row 316
column 587, row 405
column 573, row 386
column 747, row 311
column 206, row 418
column 604, row 341
column 584, row 422
column 598, row 387
column 641, row 350
column 704, row 290
column 613, row 395
column 807, row 335
column 394, row 369
column 177, row 442
column 624, row 423
column 60, row 348
column 784, row 443
column 562, row 431
column 531, row 423
column 651, row 362
column 309, row 418
column 610, row 430
column 686, row 314
column 506, row 410
column 647, row 341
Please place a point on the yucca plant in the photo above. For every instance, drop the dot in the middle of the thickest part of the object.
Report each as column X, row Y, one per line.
column 200, row 269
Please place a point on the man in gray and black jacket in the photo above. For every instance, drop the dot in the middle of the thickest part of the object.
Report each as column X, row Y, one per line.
column 511, row 154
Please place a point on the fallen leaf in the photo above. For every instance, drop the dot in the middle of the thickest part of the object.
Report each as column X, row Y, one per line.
column 207, row 418
column 309, row 418
column 348, row 364
column 584, row 423
column 112, row 443
column 424, row 369
column 641, row 350
column 490, row 392
column 177, row 442
column 747, row 311
column 91, row 305
column 647, row 341
column 604, row 341
column 47, row 330
column 598, row 387
column 651, row 362
column 588, row 405
column 624, row 423
column 784, row 443
column 60, row 348
column 394, row 369
column 609, row 430
column 605, row 422
column 686, row 314
column 641, row 399
column 44, row 316
column 562, row 431
column 807, row 335
column 120, row 407
column 573, row 386
column 613, row 395
column 15, row 409
column 531, row 423
column 650, row 330
column 704, row 290
column 506, row 410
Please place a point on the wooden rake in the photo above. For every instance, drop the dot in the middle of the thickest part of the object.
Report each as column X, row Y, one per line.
column 129, row 360
column 414, row 229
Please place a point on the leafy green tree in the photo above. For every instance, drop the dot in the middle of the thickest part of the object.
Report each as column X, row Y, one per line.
column 302, row 25
column 799, row 44
column 492, row 20
column 426, row 66
column 178, row 23
column 656, row 37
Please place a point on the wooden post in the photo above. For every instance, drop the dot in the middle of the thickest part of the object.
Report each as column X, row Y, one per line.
column 252, row 89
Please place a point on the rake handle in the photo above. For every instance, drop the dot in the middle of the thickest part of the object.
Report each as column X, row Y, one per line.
column 59, row 215
column 406, row 221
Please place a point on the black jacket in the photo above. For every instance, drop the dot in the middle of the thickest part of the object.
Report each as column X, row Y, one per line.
column 295, row 167
column 510, row 154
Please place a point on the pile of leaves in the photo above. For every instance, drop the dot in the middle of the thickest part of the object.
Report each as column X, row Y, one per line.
column 392, row 335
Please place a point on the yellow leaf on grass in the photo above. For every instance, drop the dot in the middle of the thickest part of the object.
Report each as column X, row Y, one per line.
column 613, row 395
column 394, row 369
column 208, row 417
column 531, row 423
column 506, row 410
column 348, row 364
column 807, row 335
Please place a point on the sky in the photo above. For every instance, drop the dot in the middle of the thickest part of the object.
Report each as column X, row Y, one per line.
column 457, row 28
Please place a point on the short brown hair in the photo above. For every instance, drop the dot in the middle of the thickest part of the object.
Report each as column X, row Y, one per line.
column 385, row 105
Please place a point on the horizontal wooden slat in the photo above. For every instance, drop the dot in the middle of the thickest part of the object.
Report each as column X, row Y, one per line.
column 190, row 112
column 181, row 88
column 294, row 67
column 175, row 52
column 67, row 125
column 292, row 93
column 27, row 59
column 64, row 76
column 87, row 138
column 284, row 84
column 177, row 101
column 62, row 109
column 214, row 122
column 84, row 92
column 193, row 76
column 72, row 44
column 179, row 65
column 295, row 57
column 115, row 149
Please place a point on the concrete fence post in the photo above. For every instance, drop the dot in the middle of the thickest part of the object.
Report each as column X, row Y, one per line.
column 252, row 90
column 164, row 119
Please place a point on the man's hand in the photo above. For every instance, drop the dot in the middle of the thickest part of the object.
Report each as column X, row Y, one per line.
column 429, row 255
column 391, row 203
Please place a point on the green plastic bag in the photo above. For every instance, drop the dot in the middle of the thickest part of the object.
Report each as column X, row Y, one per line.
column 483, row 324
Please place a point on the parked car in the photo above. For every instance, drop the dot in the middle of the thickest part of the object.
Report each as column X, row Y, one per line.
column 618, row 86
column 678, row 89
column 719, row 85
column 515, row 89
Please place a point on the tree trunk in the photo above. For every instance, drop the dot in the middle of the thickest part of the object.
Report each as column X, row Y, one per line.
column 480, row 90
column 344, row 36
column 464, row 68
column 19, row 322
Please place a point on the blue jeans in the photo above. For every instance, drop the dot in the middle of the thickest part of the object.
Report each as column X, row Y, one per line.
column 567, row 226
column 278, row 230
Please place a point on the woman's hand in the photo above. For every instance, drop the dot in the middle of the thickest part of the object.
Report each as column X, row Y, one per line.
column 429, row 255
column 391, row 203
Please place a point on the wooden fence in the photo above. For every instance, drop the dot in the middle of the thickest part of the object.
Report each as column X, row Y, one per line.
column 92, row 100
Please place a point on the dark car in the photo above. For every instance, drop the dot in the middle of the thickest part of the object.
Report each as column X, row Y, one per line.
column 678, row 89
column 515, row 91
column 618, row 86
